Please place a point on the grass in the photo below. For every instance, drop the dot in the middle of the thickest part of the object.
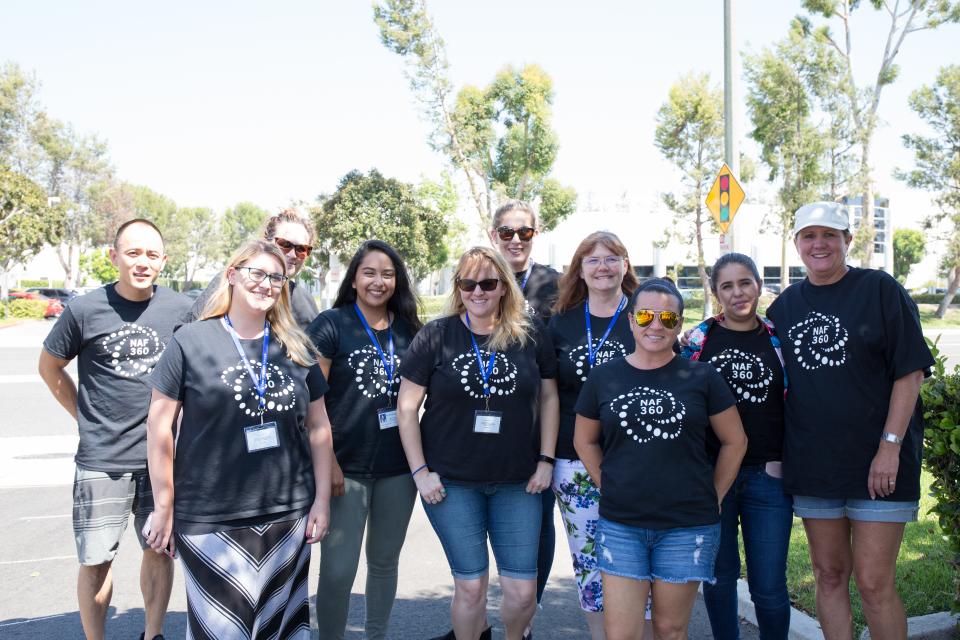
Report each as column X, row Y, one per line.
column 924, row 572
column 951, row 320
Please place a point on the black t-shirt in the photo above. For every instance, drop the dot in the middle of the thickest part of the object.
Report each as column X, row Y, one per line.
column 655, row 472
column 749, row 364
column 302, row 304
column 844, row 345
column 216, row 479
column 358, row 388
column 569, row 334
column 541, row 290
column 441, row 358
column 116, row 342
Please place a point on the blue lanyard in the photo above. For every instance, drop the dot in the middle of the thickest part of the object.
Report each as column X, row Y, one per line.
column 526, row 276
column 388, row 365
column 484, row 372
column 591, row 352
column 261, row 383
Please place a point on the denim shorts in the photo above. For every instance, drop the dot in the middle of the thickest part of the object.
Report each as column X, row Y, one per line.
column 504, row 511
column 860, row 510
column 684, row 554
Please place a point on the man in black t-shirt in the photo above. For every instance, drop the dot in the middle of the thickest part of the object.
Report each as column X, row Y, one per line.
column 295, row 236
column 117, row 334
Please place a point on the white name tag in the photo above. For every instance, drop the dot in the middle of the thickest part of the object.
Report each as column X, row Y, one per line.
column 486, row 421
column 262, row 436
column 388, row 418
column 774, row 469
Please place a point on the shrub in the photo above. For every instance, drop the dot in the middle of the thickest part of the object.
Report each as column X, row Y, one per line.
column 24, row 308
column 931, row 298
column 941, row 404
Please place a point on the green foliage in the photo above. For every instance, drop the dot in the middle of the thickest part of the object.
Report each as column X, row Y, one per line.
column 937, row 164
column 238, row 224
column 23, row 308
column 690, row 135
column 26, row 222
column 941, row 403
column 498, row 136
column 372, row 206
column 188, row 242
column 97, row 265
column 909, row 245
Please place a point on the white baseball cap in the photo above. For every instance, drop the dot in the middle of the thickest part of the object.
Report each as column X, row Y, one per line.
column 821, row 214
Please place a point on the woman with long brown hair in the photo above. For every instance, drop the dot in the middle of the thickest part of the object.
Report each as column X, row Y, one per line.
column 588, row 328
column 485, row 378
column 250, row 485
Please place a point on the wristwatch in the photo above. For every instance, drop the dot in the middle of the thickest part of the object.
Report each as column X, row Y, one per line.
column 545, row 458
column 891, row 437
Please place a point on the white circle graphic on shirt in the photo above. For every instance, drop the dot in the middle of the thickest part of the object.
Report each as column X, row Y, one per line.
column 528, row 308
column 745, row 373
column 279, row 394
column 818, row 340
column 611, row 350
column 503, row 377
column 646, row 414
column 132, row 350
column 369, row 374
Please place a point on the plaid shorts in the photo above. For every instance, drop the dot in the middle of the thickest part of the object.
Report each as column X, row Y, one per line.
column 102, row 503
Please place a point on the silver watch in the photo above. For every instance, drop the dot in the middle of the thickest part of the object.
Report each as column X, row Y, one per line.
column 891, row 437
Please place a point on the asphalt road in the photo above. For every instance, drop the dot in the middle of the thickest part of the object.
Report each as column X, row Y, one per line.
column 37, row 553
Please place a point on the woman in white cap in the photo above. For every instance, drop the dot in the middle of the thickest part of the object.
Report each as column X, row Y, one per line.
column 853, row 346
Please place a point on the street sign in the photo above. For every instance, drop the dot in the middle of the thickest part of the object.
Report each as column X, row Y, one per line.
column 725, row 197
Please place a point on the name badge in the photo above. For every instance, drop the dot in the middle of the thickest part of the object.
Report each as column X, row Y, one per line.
column 262, row 436
column 387, row 417
column 487, row 421
column 774, row 469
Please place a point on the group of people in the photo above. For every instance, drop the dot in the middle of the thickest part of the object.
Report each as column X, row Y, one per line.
column 245, row 428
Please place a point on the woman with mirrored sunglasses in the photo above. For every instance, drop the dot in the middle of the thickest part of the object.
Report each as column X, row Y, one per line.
column 249, row 486
column 589, row 327
column 745, row 350
column 659, row 523
column 362, row 340
column 293, row 233
column 487, row 376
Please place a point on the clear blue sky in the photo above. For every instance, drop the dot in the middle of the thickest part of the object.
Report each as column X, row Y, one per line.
column 212, row 103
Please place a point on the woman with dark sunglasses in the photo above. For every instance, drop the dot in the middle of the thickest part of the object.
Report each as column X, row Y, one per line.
column 362, row 340
column 746, row 351
column 589, row 327
column 659, row 523
column 486, row 377
column 294, row 235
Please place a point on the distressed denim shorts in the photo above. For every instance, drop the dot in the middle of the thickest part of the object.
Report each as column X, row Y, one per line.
column 685, row 554
column 854, row 509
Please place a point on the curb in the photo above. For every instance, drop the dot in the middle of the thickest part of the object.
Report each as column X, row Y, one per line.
column 935, row 626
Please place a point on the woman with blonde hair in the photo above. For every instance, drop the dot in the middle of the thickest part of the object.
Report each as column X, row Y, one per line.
column 250, row 484
column 589, row 327
column 486, row 378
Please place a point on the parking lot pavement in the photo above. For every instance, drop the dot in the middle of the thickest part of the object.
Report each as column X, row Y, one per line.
column 38, row 565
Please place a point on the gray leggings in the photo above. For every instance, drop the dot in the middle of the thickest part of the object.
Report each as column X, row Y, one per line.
column 387, row 504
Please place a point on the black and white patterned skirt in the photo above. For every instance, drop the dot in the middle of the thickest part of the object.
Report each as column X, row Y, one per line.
column 248, row 583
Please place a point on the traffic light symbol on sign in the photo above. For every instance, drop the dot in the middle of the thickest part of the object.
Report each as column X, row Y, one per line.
column 725, row 197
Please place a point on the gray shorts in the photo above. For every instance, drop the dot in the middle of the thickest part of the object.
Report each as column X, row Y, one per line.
column 102, row 503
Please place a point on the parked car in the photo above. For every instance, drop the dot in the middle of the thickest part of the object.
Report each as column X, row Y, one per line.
column 54, row 306
column 63, row 295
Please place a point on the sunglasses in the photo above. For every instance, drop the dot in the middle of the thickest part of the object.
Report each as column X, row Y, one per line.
column 467, row 285
column 524, row 233
column 669, row 319
column 259, row 275
column 302, row 250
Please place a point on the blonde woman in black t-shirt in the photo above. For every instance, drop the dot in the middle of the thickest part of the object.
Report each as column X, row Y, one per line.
column 362, row 340
column 485, row 377
column 250, row 485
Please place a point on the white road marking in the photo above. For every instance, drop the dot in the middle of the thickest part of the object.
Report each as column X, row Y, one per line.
column 22, row 378
column 13, row 624
column 59, row 515
column 26, row 461
column 6, row 562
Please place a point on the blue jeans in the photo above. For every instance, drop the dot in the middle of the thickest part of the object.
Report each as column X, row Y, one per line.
column 757, row 502
column 471, row 512
column 548, row 541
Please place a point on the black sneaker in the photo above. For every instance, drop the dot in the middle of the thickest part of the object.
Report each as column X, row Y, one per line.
column 449, row 635
column 156, row 637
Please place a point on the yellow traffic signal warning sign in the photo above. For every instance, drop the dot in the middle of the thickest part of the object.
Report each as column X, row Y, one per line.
column 725, row 197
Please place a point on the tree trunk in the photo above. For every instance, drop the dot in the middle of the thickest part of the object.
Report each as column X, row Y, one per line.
column 866, row 209
column 66, row 262
column 702, row 266
column 952, row 285
column 784, row 239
